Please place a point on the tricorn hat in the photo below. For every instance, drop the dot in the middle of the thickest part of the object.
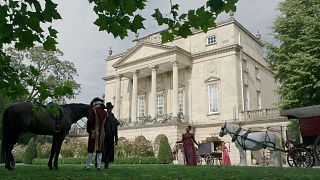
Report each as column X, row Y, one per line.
column 95, row 101
column 109, row 105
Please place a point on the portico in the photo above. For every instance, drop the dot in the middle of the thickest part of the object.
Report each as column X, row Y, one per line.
column 168, row 60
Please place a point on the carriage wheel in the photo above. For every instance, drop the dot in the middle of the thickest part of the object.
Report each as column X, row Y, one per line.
column 209, row 159
column 316, row 148
column 199, row 160
column 300, row 157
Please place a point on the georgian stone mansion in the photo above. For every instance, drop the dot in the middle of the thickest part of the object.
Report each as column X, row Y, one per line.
column 203, row 81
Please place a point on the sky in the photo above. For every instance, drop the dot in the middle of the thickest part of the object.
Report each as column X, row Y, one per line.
column 87, row 47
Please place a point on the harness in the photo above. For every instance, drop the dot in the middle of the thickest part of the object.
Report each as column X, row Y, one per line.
column 242, row 140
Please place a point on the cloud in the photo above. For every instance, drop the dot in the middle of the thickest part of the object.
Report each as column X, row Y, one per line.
column 87, row 47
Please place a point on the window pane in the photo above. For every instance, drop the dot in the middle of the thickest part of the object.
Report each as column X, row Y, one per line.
column 213, row 98
column 141, row 106
column 160, row 104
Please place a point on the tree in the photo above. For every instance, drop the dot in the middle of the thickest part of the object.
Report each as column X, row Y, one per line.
column 165, row 153
column 22, row 25
column 44, row 75
column 296, row 61
column 31, row 152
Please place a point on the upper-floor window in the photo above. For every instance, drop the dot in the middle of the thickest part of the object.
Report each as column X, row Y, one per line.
column 259, row 100
column 141, row 105
column 211, row 40
column 160, row 104
column 213, row 97
column 180, row 99
column 257, row 73
column 245, row 97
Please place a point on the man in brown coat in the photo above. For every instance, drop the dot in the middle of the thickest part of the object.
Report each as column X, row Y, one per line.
column 95, row 127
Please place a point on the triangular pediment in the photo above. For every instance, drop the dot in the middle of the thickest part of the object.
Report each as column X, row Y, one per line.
column 142, row 50
column 211, row 79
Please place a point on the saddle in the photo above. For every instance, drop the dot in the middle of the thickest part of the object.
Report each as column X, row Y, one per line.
column 56, row 113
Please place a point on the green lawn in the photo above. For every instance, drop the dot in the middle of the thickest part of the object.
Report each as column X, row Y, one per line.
column 158, row 172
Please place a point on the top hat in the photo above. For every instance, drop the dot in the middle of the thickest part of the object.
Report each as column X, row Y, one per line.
column 109, row 105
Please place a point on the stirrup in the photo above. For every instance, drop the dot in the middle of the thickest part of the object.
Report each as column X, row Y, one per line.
column 57, row 128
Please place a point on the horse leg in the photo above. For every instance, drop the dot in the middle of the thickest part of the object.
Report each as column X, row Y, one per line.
column 59, row 144
column 243, row 157
column 276, row 157
column 53, row 151
column 9, row 159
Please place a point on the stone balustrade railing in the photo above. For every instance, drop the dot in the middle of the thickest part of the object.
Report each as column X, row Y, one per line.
column 148, row 120
column 260, row 115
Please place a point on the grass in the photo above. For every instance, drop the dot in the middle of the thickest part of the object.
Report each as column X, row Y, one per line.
column 153, row 171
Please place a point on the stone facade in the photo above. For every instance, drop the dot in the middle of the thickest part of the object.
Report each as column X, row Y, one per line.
column 203, row 81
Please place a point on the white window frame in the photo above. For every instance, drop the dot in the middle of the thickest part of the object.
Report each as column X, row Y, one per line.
column 160, row 104
column 246, row 95
column 141, row 106
column 259, row 103
column 213, row 98
column 212, row 39
column 257, row 73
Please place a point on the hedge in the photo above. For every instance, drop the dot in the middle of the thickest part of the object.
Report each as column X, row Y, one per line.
column 165, row 152
column 118, row 160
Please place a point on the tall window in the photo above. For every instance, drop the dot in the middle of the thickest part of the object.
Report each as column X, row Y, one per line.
column 246, row 97
column 213, row 98
column 257, row 73
column 211, row 40
column 258, row 99
column 141, row 106
column 160, row 104
column 180, row 99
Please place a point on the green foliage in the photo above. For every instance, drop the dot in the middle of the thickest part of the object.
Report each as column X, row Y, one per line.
column 18, row 152
column 30, row 152
column 294, row 131
column 296, row 61
column 44, row 74
column 165, row 152
column 124, row 148
column 27, row 22
column 43, row 150
column 142, row 147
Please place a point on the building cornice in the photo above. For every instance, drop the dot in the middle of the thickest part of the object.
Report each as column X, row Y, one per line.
column 234, row 47
column 109, row 78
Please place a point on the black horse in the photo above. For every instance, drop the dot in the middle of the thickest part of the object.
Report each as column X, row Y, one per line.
column 20, row 118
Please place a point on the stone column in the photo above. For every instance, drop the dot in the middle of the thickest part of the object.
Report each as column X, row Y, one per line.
column 118, row 96
column 175, row 88
column 153, row 94
column 134, row 95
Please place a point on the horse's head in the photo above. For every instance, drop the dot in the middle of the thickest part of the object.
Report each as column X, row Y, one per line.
column 76, row 111
column 223, row 130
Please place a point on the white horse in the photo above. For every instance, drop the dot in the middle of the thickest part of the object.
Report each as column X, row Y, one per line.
column 246, row 140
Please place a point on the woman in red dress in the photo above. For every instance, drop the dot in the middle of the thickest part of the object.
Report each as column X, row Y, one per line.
column 225, row 155
column 188, row 147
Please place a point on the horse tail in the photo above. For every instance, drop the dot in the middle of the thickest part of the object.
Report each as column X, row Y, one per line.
column 5, row 133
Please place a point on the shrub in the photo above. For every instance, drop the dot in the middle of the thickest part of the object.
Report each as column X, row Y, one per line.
column 165, row 153
column 142, row 147
column 18, row 152
column 124, row 148
column 43, row 150
column 67, row 149
column 31, row 152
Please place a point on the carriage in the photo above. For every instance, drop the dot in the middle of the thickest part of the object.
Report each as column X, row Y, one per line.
column 208, row 151
column 306, row 153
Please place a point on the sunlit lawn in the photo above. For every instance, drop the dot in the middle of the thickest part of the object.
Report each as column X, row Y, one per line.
column 158, row 172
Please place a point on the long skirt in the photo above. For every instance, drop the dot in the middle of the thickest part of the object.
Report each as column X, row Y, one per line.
column 108, row 155
column 225, row 158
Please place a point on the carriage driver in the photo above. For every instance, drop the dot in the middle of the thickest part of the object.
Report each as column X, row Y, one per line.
column 95, row 127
